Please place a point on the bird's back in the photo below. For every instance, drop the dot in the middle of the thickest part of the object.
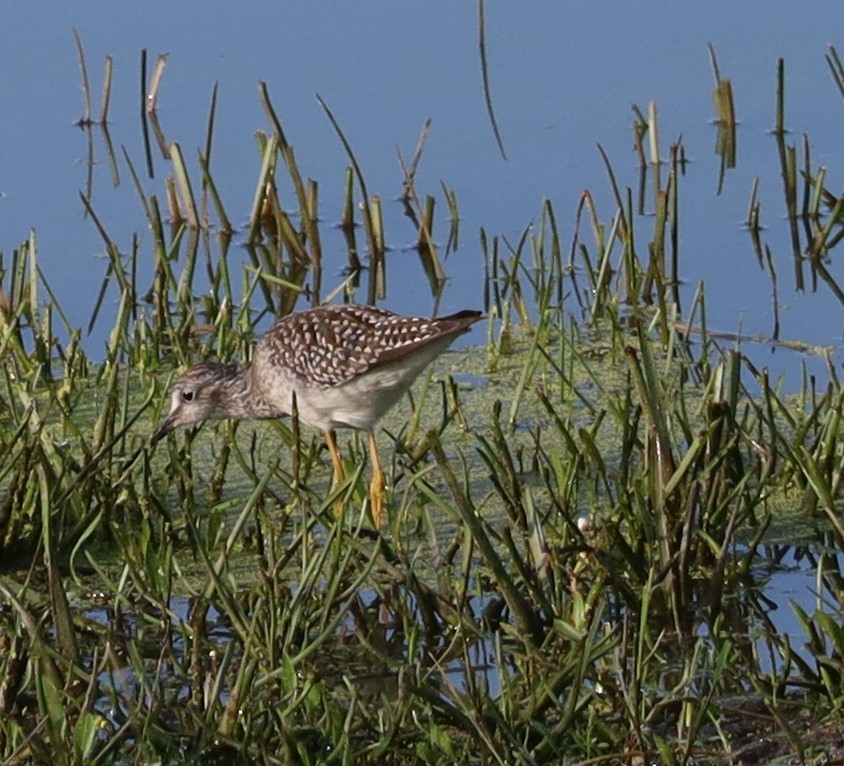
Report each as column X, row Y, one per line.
column 331, row 357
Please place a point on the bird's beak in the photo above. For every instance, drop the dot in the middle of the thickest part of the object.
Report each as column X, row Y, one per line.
column 164, row 428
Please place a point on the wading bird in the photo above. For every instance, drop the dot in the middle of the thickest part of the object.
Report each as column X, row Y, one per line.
column 344, row 366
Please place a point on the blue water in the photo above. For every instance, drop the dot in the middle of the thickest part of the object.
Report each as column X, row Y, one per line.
column 563, row 77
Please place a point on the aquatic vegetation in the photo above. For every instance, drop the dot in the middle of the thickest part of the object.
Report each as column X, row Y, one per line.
column 582, row 511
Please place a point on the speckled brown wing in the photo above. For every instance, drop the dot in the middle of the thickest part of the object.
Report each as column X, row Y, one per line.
column 331, row 345
column 410, row 333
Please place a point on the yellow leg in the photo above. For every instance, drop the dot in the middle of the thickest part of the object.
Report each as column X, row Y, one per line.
column 377, row 485
column 339, row 472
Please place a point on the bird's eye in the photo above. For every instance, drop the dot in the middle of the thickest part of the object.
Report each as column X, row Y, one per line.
column 187, row 396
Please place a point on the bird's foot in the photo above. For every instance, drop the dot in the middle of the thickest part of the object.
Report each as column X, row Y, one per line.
column 377, row 489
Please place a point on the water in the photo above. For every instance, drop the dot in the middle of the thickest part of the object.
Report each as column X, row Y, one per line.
column 562, row 78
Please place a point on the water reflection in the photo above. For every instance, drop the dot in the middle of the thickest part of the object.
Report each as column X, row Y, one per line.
column 383, row 645
column 535, row 97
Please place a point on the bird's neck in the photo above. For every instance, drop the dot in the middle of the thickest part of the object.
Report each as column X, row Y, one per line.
column 233, row 398
column 239, row 396
column 243, row 397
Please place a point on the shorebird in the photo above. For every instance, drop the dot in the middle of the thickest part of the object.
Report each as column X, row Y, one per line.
column 339, row 366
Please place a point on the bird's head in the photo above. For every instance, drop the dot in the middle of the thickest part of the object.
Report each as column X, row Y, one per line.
column 202, row 393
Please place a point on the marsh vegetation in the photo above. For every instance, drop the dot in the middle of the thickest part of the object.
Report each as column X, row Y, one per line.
column 585, row 505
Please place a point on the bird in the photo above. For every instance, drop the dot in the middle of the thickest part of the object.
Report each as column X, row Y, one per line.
column 336, row 366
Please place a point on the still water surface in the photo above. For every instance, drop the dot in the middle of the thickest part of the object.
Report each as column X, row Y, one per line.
column 563, row 78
